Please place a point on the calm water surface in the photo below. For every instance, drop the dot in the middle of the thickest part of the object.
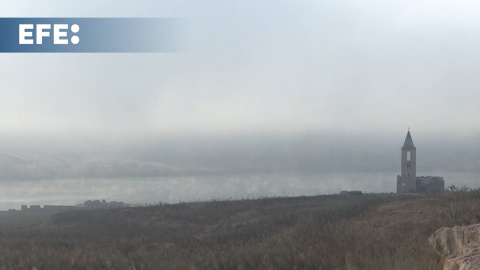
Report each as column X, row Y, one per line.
column 175, row 189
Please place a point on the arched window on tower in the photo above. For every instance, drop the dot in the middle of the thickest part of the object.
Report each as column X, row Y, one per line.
column 408, row 156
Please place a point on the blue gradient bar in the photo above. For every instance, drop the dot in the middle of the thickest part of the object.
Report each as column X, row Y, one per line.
column 95, row 35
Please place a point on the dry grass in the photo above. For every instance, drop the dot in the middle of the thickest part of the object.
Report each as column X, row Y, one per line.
column 374, row 231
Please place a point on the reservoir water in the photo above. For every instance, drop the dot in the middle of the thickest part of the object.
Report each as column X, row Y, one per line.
column 153, row 190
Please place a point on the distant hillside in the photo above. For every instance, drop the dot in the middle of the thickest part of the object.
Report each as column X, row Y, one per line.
column 169, row 156
column 42, row 166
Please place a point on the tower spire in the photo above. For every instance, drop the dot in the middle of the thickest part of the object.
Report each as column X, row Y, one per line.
column 408, row 144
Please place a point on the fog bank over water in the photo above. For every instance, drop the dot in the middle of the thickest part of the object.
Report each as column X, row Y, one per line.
column 162, row 168
column 200, row 155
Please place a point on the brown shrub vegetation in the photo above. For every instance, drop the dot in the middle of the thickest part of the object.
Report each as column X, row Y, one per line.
column 373, row 231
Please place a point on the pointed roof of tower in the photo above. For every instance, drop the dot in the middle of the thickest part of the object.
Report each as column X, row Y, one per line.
column 408, row 142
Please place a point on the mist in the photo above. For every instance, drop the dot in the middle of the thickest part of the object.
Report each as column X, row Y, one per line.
column 254, row 68
column 311, row 90
column 151, row 156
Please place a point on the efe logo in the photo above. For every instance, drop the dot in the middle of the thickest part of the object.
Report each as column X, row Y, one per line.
column 60, row 33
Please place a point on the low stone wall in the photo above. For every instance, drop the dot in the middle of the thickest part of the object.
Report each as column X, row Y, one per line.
column 460, row 246
column 430, row 184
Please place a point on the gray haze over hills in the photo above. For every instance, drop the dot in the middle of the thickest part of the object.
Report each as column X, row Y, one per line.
column 203, row 156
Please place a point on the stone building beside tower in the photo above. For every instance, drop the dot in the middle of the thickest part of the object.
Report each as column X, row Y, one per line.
column 407, row 181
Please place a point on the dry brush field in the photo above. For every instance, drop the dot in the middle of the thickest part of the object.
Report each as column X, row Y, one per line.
column 372, row 231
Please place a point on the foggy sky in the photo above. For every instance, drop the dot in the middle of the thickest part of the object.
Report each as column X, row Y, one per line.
column 254, row 67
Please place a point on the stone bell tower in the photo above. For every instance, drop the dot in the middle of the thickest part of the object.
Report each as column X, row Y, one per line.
column 407, row 180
